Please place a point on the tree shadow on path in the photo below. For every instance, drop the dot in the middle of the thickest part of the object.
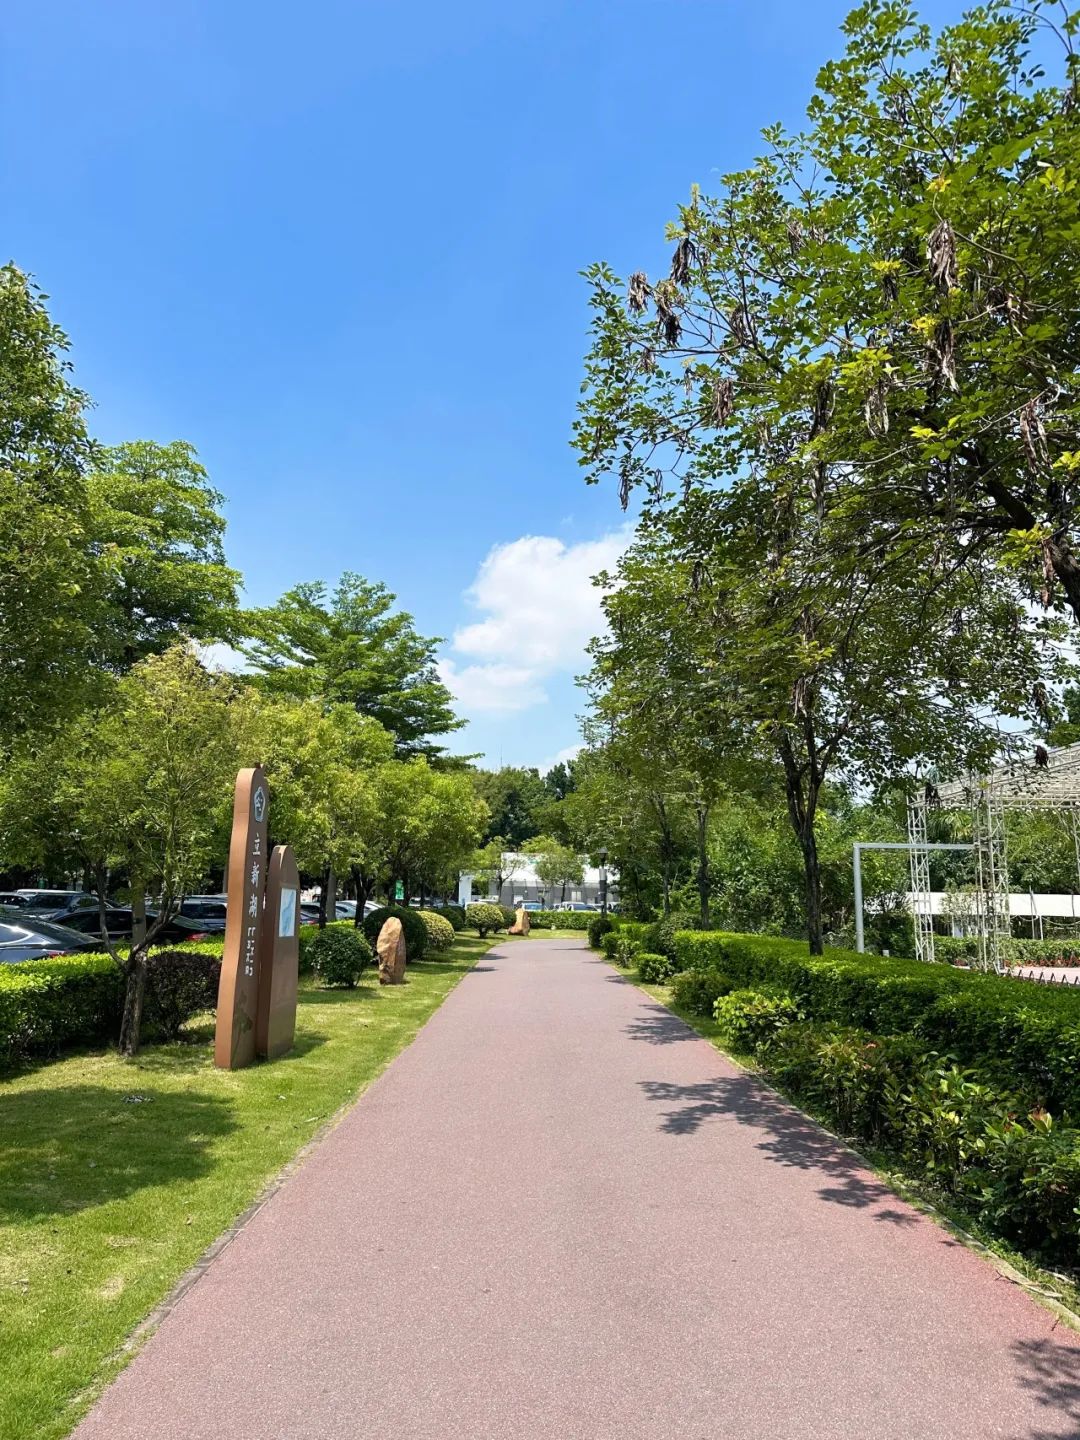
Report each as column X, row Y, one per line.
column 789, row 1138
column 1049, row 1371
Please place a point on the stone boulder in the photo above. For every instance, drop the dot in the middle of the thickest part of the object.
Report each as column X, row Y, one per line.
column 521, row 923
column 391, row 950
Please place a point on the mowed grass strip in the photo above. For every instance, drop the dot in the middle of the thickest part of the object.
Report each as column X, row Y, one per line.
column 115, row 1176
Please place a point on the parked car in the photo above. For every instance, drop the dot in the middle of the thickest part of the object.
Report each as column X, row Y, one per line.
column 531, row 905
column 12, row 897
column 87, row 921
column 578, row 905
column 46, row 903
column 26, row 937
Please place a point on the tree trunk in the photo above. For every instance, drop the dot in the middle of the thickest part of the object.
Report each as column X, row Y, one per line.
column 802, row 784
column 363, row 890
column 134, row 994
column 702, row 814
column 138, row 913
column 324, row 890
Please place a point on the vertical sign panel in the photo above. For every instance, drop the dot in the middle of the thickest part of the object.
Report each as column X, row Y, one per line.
column 234, row 1043
column 279, row 956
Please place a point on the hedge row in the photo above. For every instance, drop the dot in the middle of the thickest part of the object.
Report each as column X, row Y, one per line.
column 560, row 919
column 1014, row 1166
column 46, row 1005
column 1027, row 1033
column 1014, row 952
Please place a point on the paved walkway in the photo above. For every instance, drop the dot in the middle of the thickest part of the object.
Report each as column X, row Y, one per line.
column 559, row 1214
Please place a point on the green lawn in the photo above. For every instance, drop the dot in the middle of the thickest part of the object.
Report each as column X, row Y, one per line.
column 115, row 1176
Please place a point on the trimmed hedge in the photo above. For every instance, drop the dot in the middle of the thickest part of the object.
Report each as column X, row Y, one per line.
column 339, row 955
column 598, row 927
column 561, row 919
column 411, row 923
column 180, row 984
column 46, row 1005
column 308, row 934
column 1025, row 1032
column 456, row 915
column 1014, row 952
column 653, row 969
column 484, row 918
column 699, row 990
column 440, row 933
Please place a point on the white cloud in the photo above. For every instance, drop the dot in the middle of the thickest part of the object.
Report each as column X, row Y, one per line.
column 563, row 757
column 538, row 610
column 494, row 689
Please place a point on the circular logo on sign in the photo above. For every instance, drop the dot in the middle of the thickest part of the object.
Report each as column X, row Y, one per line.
column 258, row 804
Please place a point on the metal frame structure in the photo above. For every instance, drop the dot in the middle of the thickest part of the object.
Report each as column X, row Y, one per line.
column 1054, row 786
column 856, row 865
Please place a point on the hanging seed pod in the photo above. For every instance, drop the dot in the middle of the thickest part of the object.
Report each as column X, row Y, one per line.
column 890, row 285
column 1048, row 574
column 876, row 409
column 624, row 490
column 667, row 320
column 819, row 476
column 647, row 360
column 824, row 398
column 638, row 292
column 1033, row 436
column 1042, row 757
column 817, row 234
column 954, row 75
column 796, row 234
column 942, row 349
column 740, row 324
column 697, row 576
column 941, row 253
column 1041, row 700
column 683, row 258
column 723, row 400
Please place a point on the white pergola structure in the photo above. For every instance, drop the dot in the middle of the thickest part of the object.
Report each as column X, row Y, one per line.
column 1054, row 786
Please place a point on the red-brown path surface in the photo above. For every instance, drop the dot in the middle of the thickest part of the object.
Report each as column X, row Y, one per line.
column 560, row 1214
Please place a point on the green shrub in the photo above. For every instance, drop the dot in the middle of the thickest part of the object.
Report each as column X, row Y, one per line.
column 307, row 935
column 414, row 928
column 340, row 955
column 1028, row 1032
column 751, row 1018
column 1018, row 1171
column 484, row 918
column 46, row 1005
column 598, row 927
column 180, row 983
column 609, row 944
column 456, row 915
column 653, row 969
column 699, row 990
column 561, row 919
column 1014, row 952
column 509, row 916
column 440, row 933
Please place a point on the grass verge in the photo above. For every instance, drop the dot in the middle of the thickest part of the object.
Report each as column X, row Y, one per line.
column 1061, row 1292
column 116, row 1175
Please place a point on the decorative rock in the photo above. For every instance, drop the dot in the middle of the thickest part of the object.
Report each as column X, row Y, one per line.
column 391, row 948
column 521, row 923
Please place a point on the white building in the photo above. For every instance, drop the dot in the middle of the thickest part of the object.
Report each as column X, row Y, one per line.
column 522, row 885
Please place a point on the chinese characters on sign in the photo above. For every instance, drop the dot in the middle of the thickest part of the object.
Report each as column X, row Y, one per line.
column 238, row 993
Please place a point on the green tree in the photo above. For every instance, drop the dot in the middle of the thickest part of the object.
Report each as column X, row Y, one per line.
column 853, row 642
column 322, row 766
column 557, row 866
column 493, row 864
column 514, row 795
column 143, row 785
column 156, row 527
column 45, row 566
column 429, row 824
column 350, row 647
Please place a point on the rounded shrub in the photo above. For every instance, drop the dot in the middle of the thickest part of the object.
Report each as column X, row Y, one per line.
column 752, row 1018
column 654, row 969
column 416, row 935
column 484, row 918
column 598, row 927
column 339, row 956
column 456, row 915
column 509, row 915
column 440, row 933
column 699, row 990
column 180, row 984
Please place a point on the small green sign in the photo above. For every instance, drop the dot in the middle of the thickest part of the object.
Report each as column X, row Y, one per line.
column 399, row 891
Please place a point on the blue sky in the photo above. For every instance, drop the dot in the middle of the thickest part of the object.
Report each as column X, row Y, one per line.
column 336, row 245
